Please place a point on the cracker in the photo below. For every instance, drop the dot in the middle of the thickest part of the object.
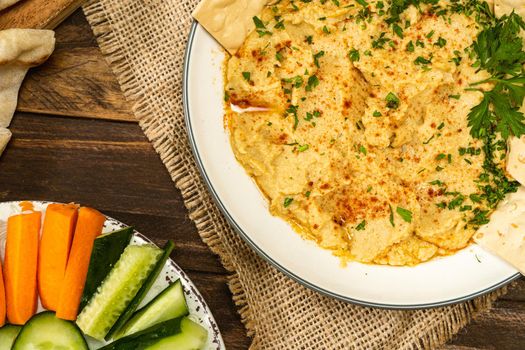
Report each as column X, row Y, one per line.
column 228, row 21
column 504, row 235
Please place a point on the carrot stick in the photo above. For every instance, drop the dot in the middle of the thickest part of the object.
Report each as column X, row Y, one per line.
column 21, row 257
column 57, row 234
column 2, row 299
column 89, row 225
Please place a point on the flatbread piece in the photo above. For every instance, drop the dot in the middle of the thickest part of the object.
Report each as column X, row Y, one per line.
column 20, row 49
column 6, row 3
column 5, row 136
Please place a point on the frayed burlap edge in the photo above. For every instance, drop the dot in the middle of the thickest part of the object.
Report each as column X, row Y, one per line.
column 109, row 46
column 182, row 174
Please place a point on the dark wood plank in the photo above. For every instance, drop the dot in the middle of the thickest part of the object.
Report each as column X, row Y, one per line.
column 500, row 328
column 76, row 80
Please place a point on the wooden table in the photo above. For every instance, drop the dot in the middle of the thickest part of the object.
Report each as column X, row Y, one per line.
column 75, row 139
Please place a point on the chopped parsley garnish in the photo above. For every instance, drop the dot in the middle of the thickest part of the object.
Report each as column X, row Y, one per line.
column 475, row 198
column 307, row 194
column 279, row 25
column 362, row 3
column 246, row 76
column 430, row 34
column 287, row 201
column 354, row 55
column 398, row 30
column 410, row 46
column 296, row 81
column 455, row 97
column 303, row 148
column 361, row 226
column 362, row 149
column 377, row 114
column 392, row 101
column 313, row 81
column 457, row 57
column 440, row 42
column 317, row 56
column 441, row 205
column 480, row 217
column 422, row 60
column 391, row 218
column 326, row 30
column 279, row 56
column 226, row 96
column 441, row 156
column 441, row 126
column 405, row 214
column 456, row 202
column 260, row 27
column 309, row 39
column 380, row 42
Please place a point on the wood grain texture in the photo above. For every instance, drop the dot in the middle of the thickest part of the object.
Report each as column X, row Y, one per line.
column 38, row 14
column 76, row 80
column 111, row 166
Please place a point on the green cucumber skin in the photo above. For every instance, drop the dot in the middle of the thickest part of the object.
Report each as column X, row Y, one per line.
column 8, row 334
column 44, row 329
column 118, row 289
column 191, row 337
column 106, row 251
column 141, row 340
column 141, row 294
column 173, row 294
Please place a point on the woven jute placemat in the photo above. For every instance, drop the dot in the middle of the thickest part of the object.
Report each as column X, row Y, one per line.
column 144, row 43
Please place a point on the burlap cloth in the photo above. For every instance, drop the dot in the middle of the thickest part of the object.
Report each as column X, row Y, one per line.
column 144, row 43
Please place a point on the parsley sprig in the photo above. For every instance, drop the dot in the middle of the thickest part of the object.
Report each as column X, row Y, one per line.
column 499, row 51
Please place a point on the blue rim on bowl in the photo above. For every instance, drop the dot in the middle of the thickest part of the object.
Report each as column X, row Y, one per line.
column 268, row 258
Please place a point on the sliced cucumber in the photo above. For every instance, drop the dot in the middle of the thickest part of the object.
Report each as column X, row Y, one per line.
column 46, row 332
column 192, row 337
column 169, row 304
column 106, row 252
column 134, row 304
column 118, row 289
column 147, row 337
column 8, row 335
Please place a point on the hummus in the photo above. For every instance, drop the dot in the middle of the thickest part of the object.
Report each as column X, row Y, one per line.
column 360, row 137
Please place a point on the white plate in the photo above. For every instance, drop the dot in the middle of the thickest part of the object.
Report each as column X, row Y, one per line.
column 465, row 275
column 199, row 311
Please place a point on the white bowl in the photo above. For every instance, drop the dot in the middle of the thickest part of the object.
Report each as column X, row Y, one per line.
column 469, row 273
